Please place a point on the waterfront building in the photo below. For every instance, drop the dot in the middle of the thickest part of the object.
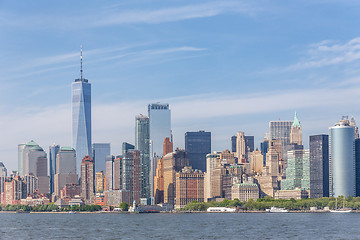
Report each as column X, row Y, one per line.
column 3, row 171
column 280, row 130
column 115, row 197
column 256, row 162
column 197, row 145
column 244, row 191
column 212, row 161
column 53, row 151
column 222, row 178
column 99, row 153
column 240, row 146
column 100, row 182
column 172, row 163
column 142, row 143
column 117, row 177
column 189, row 187
column 298, row 171
column 109, row 165
column 296, row 194
column 342, row 159
column 65, row 169
column 14, row 191
column 81, row 117
column 87, row 180
column 319, row 166
column 69, row 191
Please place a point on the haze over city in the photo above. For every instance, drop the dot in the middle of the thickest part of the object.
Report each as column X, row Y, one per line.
column 223, row 66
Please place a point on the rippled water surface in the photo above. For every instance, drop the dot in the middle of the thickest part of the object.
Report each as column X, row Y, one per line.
column 180, row 226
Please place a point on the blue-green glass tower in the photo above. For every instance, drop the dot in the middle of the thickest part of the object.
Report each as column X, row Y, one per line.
column 81, row 117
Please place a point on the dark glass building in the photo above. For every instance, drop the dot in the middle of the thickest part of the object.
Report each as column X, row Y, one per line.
column 197, row 145
column 264, row 146
column 357, row 166
column 319, row 166
column 233, row 144
column 53, row 151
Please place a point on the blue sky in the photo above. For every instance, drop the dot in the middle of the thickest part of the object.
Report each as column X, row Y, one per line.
column 223, row 66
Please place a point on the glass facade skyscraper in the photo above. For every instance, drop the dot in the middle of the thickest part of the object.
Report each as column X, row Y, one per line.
column 53, row 151
column 319, row 166
column 280, row 130
column 342, row 159
column 142, row 143
column 197, row 146
column 297, row 173
column 99, row 153
column 81, row 119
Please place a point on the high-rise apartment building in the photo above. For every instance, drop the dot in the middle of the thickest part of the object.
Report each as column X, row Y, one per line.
column 100, row 182
column 342, row 159
column 298, row 171
column 99, row 153
column 131, row 174
column 117, row 173
column 65, row 169
column 142, row 143
column 197, row 145
column 109, row 171
column 319, row 166
column 53, row 151
column 212, row 161
column 81, row 117
column 87, row 180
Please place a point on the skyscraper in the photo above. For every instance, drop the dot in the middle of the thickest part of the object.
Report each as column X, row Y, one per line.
column 99, row 153
column 281, row 130
column 297, row 173
column 233, row 144
column 319, row 166
column 3, row 171
column 357, row 166
column 87, row 180
column 240, row 146
column 65, row 169
column 53, row 151
column 197, row 145
column 142, row 143
column 342, row 159
column 81, row 117
column 296, row 132
column 109, row 172
column 160, row 128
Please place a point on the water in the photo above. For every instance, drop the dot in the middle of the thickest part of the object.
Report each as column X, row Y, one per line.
column 180, row 226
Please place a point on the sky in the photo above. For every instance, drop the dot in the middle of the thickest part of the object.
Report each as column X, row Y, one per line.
column 223, row 66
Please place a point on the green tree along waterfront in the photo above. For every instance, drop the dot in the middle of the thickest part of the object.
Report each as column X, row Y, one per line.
column 267, row 202
column 50, row 208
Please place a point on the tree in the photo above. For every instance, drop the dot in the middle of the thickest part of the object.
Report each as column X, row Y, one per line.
column 124, row 206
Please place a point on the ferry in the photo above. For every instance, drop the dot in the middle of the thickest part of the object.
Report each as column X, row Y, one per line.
column 221, row 209
column 277, row 210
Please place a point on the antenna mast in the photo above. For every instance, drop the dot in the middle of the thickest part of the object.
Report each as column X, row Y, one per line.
column 81, row 71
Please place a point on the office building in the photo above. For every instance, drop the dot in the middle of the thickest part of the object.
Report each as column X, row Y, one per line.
column 280, row 130
column 109, row 164
column 65, row 169
column 142, row 143
column 131, row 174
column 357, row 166
column 197, row 145
column 249, row 146
column 264, row 148
column 212, row 161
column 100, row 182
column 3, row 171
column 126, row 147
column 233, row 144
column 99, row 153
column 87, row 180
column 227, row 157
column 167, row 146
column 298, row 171
column 189, row 187
column 296, row 132
column 172, row 163
column 319, row 166
column 342, row 159
column 245, row 191
column 81, row 117
column 256, row 162
column 117, row 173
column 240, row 146
column 53, row 151
column 356, row 129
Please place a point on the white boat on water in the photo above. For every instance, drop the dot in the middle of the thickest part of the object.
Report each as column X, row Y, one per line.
column 221, row 209
column 277, row 210
column 341, row 210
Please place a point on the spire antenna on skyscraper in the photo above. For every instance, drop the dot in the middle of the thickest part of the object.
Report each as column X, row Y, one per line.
column 81, row 71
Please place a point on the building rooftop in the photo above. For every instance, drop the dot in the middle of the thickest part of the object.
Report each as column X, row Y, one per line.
column 32, row 143
column 66, row 149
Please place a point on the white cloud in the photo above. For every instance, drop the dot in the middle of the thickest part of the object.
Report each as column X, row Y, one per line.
column 327, row 53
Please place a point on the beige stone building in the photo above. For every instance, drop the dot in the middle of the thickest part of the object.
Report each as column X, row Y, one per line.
column 288, row 194
column 244, row 191
column 100, row 182
column 256, row 162
column 240, row 145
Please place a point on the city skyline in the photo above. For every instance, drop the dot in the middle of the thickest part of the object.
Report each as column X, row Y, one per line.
column 221, row 48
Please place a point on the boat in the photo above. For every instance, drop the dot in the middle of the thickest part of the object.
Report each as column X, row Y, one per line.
column 341, row 210
column 220, row 209
column 72, row 212
column 277, row 210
